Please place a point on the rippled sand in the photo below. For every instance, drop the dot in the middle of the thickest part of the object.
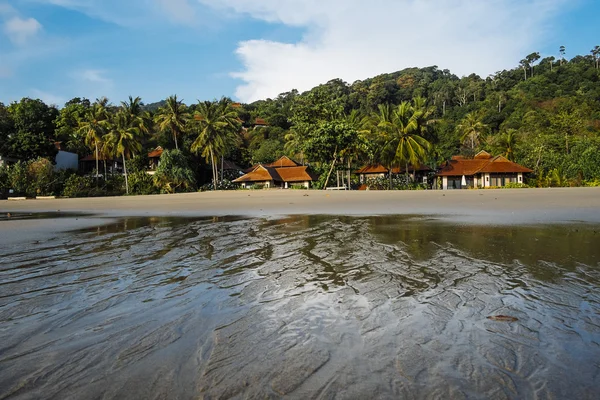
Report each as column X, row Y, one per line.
column 302, row 307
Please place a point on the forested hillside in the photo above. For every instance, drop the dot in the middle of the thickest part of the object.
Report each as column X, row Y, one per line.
column 544, row 114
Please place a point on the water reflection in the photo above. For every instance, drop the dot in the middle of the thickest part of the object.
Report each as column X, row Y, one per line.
column 304, row 307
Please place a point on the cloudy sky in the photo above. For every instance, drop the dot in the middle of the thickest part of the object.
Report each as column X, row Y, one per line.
column 253, row 49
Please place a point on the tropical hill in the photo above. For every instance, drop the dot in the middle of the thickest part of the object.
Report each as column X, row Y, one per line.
column 544, row 114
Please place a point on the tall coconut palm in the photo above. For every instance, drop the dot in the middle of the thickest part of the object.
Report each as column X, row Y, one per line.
column 507, row 144
column 93, row 127
column 471, row 128
column 405, row 136
column 125, row 138
column 596, row 54
column 173, row 117
column 218, row 129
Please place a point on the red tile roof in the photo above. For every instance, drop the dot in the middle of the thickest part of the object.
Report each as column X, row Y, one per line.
column 295, row 174
column 469, row 167
column 156, row 153
column 260, row 121
column 259, row 174
column 263, row 173
column 283, row 162
column 380, row 169
column 373, row 169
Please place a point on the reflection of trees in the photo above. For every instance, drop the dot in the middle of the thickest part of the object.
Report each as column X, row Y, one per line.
column 534, row 247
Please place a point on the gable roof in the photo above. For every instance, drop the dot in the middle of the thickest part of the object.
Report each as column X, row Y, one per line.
column 263, row 173
column 259, row 174
column 283, row 162
column 380, row 169
column 296, row 174
column 156, row 153
column 481, row 164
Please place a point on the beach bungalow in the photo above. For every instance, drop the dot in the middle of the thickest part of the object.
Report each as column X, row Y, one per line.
column 154, row 160
column 484, row 170
column 283, row 173
column 375, row 171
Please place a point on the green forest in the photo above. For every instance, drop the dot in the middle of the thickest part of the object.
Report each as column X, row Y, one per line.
column 543, row 114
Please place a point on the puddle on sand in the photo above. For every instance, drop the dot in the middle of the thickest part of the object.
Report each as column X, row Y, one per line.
column 303, row 307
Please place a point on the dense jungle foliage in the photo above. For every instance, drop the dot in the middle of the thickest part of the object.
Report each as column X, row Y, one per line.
column 544, row 114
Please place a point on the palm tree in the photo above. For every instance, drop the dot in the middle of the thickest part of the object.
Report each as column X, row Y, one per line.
column 596, row 54
column 218, row 126
column 407, row 126
column 125, row 138
column 562, row 50
column 471, row 128
column 93, row 127
column 173, row 116
column 507, row 144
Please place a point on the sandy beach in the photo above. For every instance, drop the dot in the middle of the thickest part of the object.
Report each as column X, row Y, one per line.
column 516, row 206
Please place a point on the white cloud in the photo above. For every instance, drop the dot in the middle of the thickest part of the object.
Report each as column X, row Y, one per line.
column 352, row 39
column 19, row 30
column 178, row 10
column 7, row 9
column 47, row 98
column 94, row 76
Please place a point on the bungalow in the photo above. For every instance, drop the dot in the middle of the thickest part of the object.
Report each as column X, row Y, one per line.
column 87, row 165
column 154, row 160
column 484, row 170
column 375, row 171
column 281, row 173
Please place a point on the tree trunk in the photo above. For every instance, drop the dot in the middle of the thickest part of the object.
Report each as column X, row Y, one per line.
column 97, row 165
column 407, row 175
column 125, row 170
column 212, row 159
column 331, row 169
column 390, row 175
column 525, row 70
column 349, row 172
column 175, row 138
column 222, row 162
column 105, row 173
column 444, row 108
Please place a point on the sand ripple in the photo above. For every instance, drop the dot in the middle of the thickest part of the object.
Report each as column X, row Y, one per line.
column 304, row 307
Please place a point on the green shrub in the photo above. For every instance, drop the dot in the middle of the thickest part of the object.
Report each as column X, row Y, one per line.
column 173, row 173
column 40, row 175
column 515, row 185
column 80, row 186
column 141, row 182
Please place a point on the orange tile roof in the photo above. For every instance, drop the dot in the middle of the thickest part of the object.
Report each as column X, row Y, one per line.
column 380, row 169
column 283, row 162
column 373, row 169
column 295, row 174
column 260, row 121
column 469, row 167
column 156, row 153
column 259, row 174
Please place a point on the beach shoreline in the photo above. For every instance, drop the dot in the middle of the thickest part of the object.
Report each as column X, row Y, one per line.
column 530, row 205
column 490, row 207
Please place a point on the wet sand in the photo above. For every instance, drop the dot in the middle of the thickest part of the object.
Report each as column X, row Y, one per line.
column 487, row 207
column 530, row 205
column 302, row 307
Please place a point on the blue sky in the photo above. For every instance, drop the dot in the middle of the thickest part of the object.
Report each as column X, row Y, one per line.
column 253, row 49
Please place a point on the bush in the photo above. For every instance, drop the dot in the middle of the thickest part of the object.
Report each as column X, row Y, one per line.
column 141, row 182
column 40, row 176
column 4, row 182
column 80, row 186
column 173, row 173
column 515, row 185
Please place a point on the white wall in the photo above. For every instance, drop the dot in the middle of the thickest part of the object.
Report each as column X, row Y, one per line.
column 66, row 160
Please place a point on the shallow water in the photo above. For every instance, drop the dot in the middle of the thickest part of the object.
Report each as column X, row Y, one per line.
column 303, row 307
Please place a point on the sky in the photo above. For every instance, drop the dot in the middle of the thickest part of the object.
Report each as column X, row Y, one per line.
column 249, row 50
